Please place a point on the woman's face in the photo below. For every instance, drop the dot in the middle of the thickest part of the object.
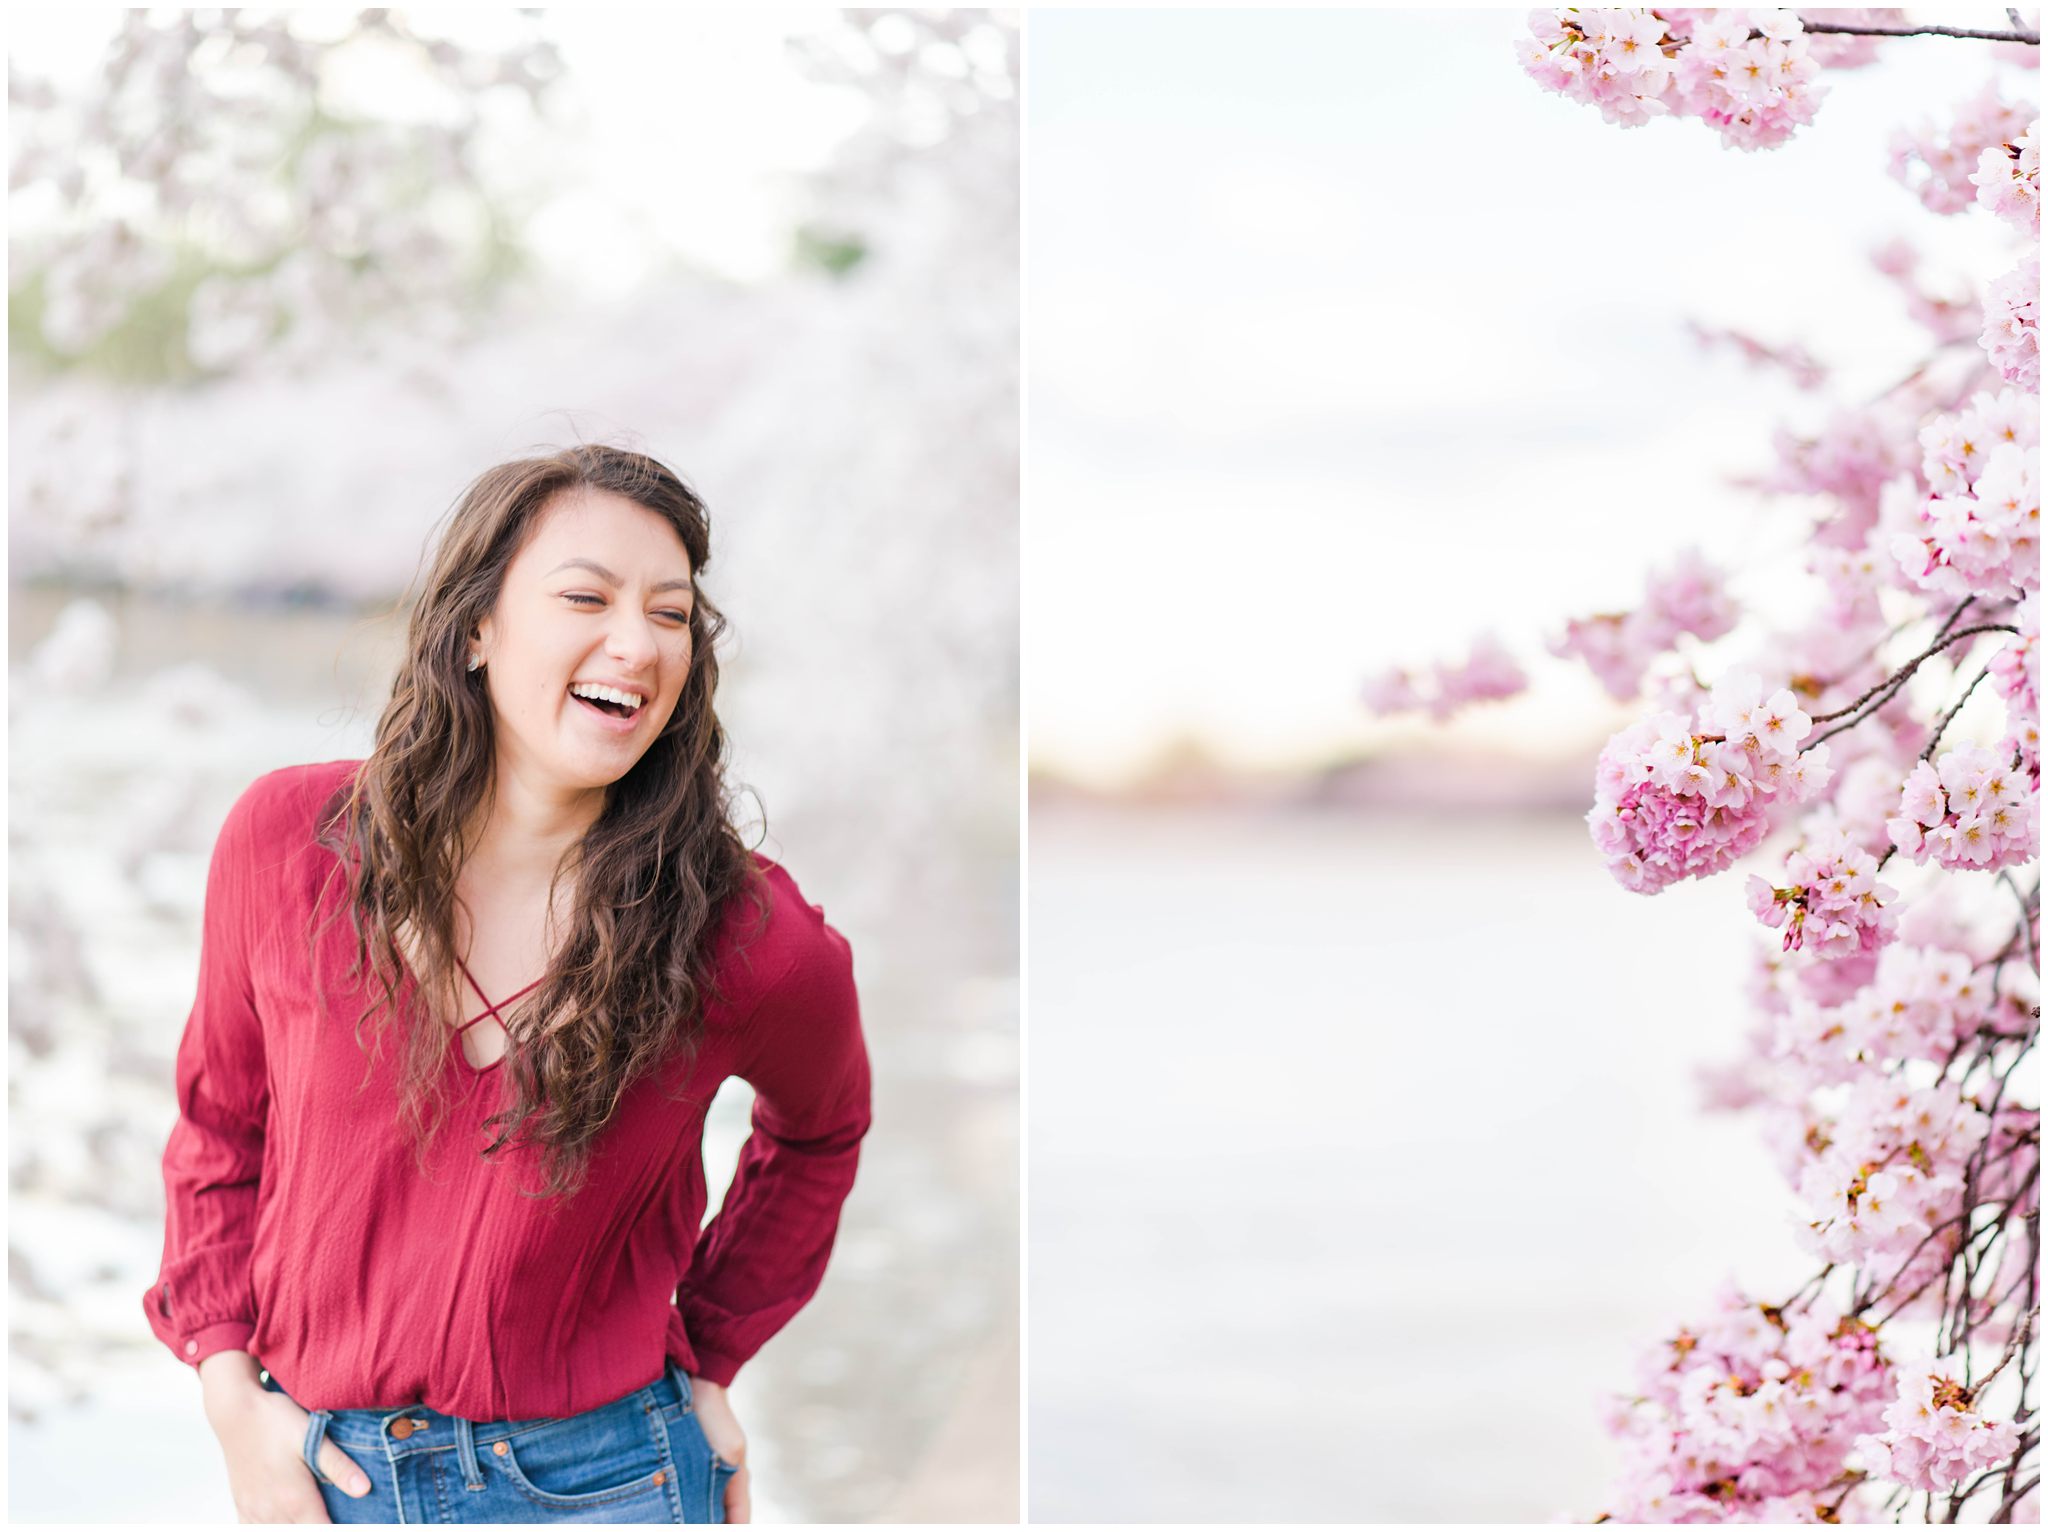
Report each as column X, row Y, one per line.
column 599, row 596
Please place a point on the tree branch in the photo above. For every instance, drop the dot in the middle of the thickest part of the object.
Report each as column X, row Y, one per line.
column 1949, row 717
column 1886, row 689
column 2018, row 34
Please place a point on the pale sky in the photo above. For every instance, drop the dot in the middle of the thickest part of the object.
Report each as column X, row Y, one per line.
column 1346, row 340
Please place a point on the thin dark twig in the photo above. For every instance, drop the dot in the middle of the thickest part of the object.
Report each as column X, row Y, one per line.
column 2003, row 1515
column 1940, row 633
column 1949, row 717
column 2018, row 34
column 1862, row 707
column 1809, row 1288
column 2013, row 1346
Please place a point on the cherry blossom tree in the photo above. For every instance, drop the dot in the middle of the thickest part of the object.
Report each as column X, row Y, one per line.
column 1897, row 1002
column 236, row 187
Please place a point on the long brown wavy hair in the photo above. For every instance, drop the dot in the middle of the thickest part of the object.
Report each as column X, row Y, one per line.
column 632, row 974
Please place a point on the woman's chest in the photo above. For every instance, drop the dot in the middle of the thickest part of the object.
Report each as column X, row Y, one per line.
column 343, row 1057
column 504, row 935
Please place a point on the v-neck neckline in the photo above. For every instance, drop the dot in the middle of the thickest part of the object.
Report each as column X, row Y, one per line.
column 490, row 1009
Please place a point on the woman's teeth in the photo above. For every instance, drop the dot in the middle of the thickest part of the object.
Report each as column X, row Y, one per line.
column 607, row 700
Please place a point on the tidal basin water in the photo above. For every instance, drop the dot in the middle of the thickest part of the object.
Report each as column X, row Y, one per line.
column 1364, row 1156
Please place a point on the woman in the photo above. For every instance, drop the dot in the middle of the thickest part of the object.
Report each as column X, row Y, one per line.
column 470, row 1261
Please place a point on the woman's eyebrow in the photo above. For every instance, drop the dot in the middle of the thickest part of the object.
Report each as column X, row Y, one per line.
column 605, row 574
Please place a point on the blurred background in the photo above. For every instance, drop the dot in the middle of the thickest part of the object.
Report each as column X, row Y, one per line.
column 1366, row 1146
column 281, row 283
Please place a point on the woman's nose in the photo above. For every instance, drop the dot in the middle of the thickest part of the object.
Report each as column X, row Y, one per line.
column 631, row 643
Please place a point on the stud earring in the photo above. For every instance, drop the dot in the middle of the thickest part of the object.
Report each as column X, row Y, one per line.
column 476, row 662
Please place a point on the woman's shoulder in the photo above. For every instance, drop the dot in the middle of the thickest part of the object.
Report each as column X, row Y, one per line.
column 280, row 811
column 780, row 944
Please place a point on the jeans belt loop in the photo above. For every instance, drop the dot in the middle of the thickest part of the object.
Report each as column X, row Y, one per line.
column 465, row 1454
column 316, row 1432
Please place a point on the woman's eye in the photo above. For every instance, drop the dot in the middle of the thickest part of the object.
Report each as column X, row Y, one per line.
column 582, row 596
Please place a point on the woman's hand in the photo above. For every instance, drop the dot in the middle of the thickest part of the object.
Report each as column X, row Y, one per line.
column 262, row 1435
column 722, row 1430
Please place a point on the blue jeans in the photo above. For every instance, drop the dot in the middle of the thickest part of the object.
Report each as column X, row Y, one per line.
column 641, row 1458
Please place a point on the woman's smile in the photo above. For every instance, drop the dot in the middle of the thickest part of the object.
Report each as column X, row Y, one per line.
column 616, row 708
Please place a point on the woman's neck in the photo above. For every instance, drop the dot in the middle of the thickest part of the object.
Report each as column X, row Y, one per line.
column 522, row 833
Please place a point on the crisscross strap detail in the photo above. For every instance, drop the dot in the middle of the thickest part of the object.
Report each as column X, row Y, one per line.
column 489, row 1008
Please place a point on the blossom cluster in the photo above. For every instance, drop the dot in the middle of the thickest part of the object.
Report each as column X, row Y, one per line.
column 2012, row 325
column 1687, row 596
column 1831, row 904
column 2016, row 672
column 1971, row 808
column 1919, row 1004
column 1489, row 673
column 1933, row 1438
column 1748, row 1416
column 2012, row 1159
column 1888, row 1059
column 1677, row 799
column 1853, row 576
column 1885, row 1169
column 1795, row 361
column 1945, row 317
column 313, row 231
column 1848, row 50
column 1637, row 64
column 1942, row 166
column 2008, row 180
column 1978, row 529
column 1856, row 454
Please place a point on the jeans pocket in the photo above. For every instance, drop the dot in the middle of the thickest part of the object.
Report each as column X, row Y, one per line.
column 721, row 1475
column 717, row 1472
column 687, row 1406
column 600, row 1457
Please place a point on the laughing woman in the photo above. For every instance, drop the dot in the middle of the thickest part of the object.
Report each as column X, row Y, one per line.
column 461, row 1277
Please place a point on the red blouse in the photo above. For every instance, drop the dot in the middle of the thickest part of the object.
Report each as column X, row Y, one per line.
column 299, row 1227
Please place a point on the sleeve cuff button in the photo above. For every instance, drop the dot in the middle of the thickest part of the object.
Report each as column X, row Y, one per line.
column 191, row 1346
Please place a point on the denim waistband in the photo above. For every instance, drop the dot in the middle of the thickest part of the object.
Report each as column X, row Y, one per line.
column 431, row 1429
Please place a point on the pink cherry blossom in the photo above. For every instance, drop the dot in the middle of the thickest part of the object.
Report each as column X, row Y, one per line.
column 1940, row 164
column 1922, row 1138
column 1675, row 799
column 1970, row 808
column 1885, row 1052
column 1487, row 674
column 1686, row 596
column 1978, row 530
column 1856, row 454
column 1636, row 65
column 1931, row 305
column 2008, row 180
column 1747, row 1415
column 2011, row 336
column 2016, row 672
column 1831, row 904
column 1934, row 1437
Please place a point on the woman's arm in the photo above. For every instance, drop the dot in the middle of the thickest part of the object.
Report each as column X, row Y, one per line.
column 202, row 1302
column 202, row 1305
column 763, row 1256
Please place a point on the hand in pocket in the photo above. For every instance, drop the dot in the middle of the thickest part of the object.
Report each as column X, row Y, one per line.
column 721, row 1429
column 263, row 1438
